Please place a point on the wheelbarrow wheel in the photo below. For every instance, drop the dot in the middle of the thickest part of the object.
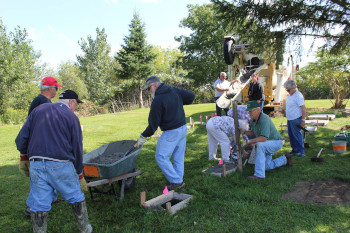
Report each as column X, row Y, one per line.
column 129, row 183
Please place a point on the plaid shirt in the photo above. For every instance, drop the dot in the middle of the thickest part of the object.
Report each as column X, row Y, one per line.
column 241, row 112
column 242, row 115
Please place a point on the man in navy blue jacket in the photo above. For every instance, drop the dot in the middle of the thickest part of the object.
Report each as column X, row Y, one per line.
column 48, row 90
column 52, row 140
column 168, row 113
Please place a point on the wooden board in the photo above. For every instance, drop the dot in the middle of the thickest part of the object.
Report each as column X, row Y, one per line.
column 317, row 122
column 157, row 202
column 321, row 117
column 218, row 169
column 110, row 181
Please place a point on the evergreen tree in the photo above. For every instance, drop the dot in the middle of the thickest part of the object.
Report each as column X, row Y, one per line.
column 135, row 57
column 274, row 24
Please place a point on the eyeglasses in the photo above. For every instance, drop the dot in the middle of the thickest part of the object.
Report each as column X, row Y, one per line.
column 149, row 87
column 55, row 87
column 288, row 90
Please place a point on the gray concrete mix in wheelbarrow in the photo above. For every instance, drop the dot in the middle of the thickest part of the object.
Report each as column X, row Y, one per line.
column 108, row 158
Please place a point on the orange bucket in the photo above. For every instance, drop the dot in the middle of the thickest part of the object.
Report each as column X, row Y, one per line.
column 339, row 147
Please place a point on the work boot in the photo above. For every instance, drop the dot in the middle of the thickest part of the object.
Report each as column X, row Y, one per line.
column 173, row 186
column 289, row 159
column 81, row 214
column 27, row 212
column 39, row 221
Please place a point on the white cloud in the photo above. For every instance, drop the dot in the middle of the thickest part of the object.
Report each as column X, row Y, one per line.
column 68, row 41
column 32, row 33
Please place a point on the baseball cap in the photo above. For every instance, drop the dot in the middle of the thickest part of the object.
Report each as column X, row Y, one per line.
column 252, row 104
column 69, row 94
column 150, row 80
column 50, row 81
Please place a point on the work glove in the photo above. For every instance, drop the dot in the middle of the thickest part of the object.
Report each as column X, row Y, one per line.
column 82, row 181
column 24, row 165
column 141, row 140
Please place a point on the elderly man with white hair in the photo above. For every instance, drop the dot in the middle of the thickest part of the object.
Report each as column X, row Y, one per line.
column 48, row 90
column 295, row 113
column 52, row 141
column 221, row 85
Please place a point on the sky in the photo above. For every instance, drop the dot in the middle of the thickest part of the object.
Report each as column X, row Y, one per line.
column 56, row 26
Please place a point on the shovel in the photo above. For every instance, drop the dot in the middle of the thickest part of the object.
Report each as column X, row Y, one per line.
column 317, row 158
column 306, row 145
column 130, row 150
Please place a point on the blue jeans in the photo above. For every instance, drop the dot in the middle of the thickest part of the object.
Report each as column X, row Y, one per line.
column 295, row 136
column 30, row 198
column 172, row 143
column 262, row 105
column 48, row 176
column 264, row 152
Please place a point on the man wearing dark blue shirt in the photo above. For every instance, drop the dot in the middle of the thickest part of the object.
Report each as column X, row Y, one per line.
column 168, row 113
column 48, row 90
column 52, row 140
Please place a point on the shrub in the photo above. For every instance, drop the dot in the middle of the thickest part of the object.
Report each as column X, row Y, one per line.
column 13, row 116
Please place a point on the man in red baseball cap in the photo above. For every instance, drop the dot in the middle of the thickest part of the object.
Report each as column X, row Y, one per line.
column 48, row 88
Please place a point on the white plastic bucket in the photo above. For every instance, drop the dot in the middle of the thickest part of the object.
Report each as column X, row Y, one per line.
column 339, row 147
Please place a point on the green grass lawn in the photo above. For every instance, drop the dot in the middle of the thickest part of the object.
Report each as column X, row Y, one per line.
column 230, row 204
column 323, row 103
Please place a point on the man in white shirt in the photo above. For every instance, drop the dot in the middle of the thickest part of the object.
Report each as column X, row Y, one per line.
column 295, row 113
column 221, row 85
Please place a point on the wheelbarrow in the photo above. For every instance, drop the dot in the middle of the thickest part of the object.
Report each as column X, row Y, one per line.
column 109, row 163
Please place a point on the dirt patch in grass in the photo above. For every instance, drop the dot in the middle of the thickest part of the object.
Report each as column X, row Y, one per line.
column 321, row 192
column 345, row 127
column 276, row 113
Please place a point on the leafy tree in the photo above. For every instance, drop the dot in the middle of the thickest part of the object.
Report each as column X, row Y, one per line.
column 166, row 61
column 332, row 70
column 273, row 24
column 203, row 48
column 135, row 57
column 70, row 76
column 97, row 66
column 18, row 69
